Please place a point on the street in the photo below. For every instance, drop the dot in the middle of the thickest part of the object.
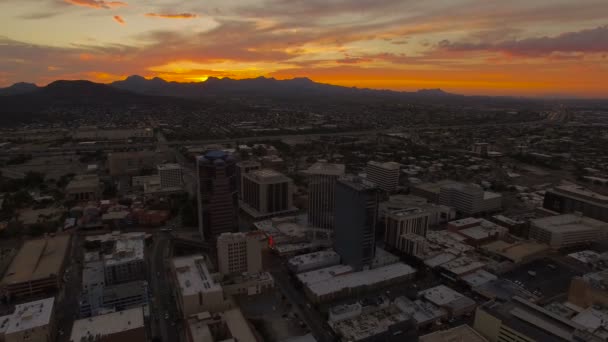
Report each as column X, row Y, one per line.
column 162, row 302
column 300, row 303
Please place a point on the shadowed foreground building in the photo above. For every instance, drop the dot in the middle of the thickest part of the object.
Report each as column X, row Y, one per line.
column 322, row 178
column 217, row 194
column 356, row 216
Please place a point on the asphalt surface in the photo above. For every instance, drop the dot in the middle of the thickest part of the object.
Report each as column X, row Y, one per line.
column 300, row 304
column 68, row 300
column 167, row 329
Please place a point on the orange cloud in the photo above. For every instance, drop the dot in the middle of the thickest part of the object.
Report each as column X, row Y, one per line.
column 172, row 15
column 98, row 4
column 119, row 20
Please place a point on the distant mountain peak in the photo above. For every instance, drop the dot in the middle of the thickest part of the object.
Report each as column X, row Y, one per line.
column 19, row 88
column 434, row 91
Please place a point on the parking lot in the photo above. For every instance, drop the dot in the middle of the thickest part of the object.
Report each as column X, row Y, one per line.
column 547, row 276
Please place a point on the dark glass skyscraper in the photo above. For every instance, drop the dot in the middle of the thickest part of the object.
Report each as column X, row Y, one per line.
column 356, row 213
column 217, row 194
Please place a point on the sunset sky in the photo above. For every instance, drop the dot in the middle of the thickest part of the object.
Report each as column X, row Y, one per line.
column 514, row 47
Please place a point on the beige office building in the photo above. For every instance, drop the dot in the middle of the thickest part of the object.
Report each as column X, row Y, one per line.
column 267, row 192
column 195, row 289
column 240, row 252
column 384, row 175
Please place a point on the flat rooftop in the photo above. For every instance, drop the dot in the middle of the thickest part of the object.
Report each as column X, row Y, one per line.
column 126, row 250
column 193, row 276
column 581, row 193
column 83, row 182
column 569, row 223
column 436, row 186
column 357, row 183
column 315, row 257
column 362, row 278
column 38, row 259
column 267, row 176
column 100, row 326
column 327, row 169
column 386, row 165
column 441, row 295
column 165, row 167
column 31, row 315
column 460, row 333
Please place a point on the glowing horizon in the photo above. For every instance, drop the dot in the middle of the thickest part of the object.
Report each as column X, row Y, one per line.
column 471, row 47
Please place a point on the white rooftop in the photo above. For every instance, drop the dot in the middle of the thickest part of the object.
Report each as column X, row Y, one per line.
column 108, row 324
column 569, row 223
column 193, row 276
column 362, row 278
column 313, row 277
column 441, row 295
column 125, row 250
column 31, row 315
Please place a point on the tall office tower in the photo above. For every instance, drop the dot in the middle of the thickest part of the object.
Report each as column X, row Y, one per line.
column 322, row 179
column 356, row 214
column 384, row 175
column 170, row 175
column 243, row 168
column 266, row 193
column 218, row 205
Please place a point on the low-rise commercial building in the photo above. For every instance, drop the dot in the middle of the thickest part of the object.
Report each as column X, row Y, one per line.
column 589, row 290
column 340, row 281
column 383, row 324
column 568, row 230
column 522, row 321
column 313, row 261
column 32, row 322
column 229, row 325
column 196, row 290
column 454, row 302
column 477, row 231
column 460, row 333
column 121, row 326
column 84, row 188
column 37, row 268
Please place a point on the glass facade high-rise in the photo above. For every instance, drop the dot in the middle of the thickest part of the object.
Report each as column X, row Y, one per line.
column 356, row 213
column 217, row 194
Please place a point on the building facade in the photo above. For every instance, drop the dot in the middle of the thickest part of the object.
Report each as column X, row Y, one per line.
column 216, row 194
column 243, row 168
column 469, row 199
column 240, row 253
column 170, row 175
column 567, row 230
column 267, row 192
column 384, row 175
column 573, row 198
column 400, row 222
column 356, row 213
column 322, row 178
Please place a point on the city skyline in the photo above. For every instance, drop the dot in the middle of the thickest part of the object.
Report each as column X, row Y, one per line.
column 533, row 48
